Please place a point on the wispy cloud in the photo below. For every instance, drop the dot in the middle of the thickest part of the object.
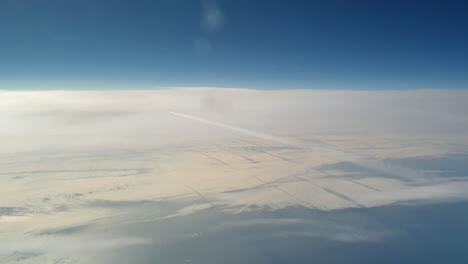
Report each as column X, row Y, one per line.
column 315, row 228
column 262, row 222
column 60, row 244
column 436, row 192
column 338, row 235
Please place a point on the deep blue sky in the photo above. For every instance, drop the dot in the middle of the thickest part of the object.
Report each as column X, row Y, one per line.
column 252, row 44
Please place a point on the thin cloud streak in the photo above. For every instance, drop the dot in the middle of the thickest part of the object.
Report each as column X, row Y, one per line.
column 444, row 191
column 234, row 128
column 68, row 244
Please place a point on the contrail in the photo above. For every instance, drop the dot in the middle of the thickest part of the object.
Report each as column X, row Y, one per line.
column 237, row 129
column 400, row 172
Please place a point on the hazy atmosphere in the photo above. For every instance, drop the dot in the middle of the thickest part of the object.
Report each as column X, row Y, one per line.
column 216, row 131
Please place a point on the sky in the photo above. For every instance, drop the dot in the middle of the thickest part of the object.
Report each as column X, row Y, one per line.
column 339, row 134
column 263, row 44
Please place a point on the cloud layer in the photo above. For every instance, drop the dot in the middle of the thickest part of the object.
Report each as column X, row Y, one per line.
column 77, row 166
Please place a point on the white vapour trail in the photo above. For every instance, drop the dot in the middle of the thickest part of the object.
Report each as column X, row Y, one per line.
column 237, row 129
column 400, row 172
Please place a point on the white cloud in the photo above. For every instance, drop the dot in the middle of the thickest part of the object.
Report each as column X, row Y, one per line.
column 312, row 227
column 58, row 244
column 448, row 191
column 99, row 120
